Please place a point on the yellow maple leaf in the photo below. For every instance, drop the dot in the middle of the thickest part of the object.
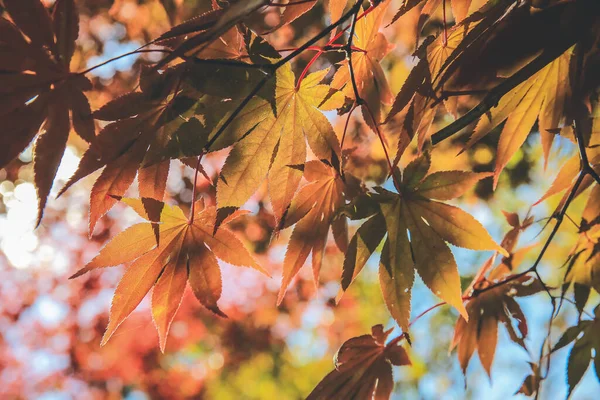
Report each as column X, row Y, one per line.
column 273, row 143
column 542, row 97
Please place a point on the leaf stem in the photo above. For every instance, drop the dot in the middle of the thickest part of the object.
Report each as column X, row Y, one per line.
column 294, row 3
column 346, row 126
column 382, row 141
column 418, row 317
column 359, row 100
column 333, row 39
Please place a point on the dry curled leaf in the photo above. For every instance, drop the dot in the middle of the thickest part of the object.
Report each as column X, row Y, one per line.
column 363, row 369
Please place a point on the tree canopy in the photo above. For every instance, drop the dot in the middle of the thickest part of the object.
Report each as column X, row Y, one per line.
column 435, row 162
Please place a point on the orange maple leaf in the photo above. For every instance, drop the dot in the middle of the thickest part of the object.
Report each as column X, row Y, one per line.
column 187, row 251
column 312, row 210
column 372, row 47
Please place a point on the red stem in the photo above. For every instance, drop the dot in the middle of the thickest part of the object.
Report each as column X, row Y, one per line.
column 333, row 39
column 425, row 312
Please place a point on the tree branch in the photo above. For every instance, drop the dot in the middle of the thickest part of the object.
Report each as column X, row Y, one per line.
column 494, row 95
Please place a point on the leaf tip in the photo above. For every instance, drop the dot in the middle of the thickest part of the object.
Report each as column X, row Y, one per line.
column 463, row 311
column 106, row 337
column 217, row 311
column 281, row 295
column 162, row 342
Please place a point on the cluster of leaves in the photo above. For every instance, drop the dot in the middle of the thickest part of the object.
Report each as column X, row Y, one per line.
column 221, row 85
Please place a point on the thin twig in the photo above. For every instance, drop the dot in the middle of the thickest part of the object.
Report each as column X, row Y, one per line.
column 192, row 208
column 136, row 51
column 359, row 100
column 331, row 41
column 346, row 126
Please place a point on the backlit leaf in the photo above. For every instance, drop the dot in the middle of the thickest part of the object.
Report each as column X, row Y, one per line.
column 586, row 342
column 182, row 254
column 362, row 369
column 430, row 225
column 543, row 96
column 38, row 90
column 275, row 144
column 371, row 82
column 313, row 209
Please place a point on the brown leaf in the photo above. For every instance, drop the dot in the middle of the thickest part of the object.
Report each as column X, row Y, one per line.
column 362, row 369
column 48, row 152
column 37, row 88
column 486, row 309
column 33, row 20
column 65, row 20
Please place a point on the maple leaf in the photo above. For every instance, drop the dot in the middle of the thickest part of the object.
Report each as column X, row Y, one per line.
column 583, row 269
column 531, row 383
column 370, row 78
column 144, row 124
column 272, row 143
column 489, row 308
column 38, row 89
column 336, row 9
column 586, row 342
column 363, row 369
column 542, row 97
column 187, row 252
column 230, row 45
column 158, row 123
column 215, row 31
column 312, row 210
column 564, row 179
column 292, row 11
column 489, row 305
column 423, row 78
column 431, row 224
column 193, row 37
column 594, row 126
column 460, row 8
